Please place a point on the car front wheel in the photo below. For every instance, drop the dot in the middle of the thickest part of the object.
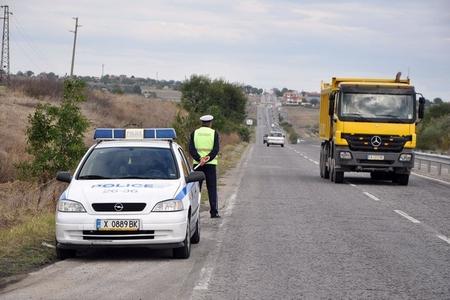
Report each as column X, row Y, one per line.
column 185, row 251
column 195, row 239
column 65, row 253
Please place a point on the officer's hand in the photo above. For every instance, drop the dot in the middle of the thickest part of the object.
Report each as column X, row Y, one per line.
column 204, row 160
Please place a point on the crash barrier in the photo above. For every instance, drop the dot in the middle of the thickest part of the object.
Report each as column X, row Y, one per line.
column 434, row 164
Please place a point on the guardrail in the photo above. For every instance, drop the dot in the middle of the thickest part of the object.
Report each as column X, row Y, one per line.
column 434, row 164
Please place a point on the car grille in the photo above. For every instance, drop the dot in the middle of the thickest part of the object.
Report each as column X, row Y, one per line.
column 118, row 235
column 126, row 207
column 389, row 143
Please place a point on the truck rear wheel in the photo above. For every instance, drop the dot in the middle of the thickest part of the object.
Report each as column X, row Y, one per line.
column 324, row 172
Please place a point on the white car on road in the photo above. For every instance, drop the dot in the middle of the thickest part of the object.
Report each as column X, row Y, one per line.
column 275, row 138
column 133, row 188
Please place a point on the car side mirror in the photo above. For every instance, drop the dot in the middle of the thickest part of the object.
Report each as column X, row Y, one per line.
column 64, row 176
column 421, row 112
column 195, row 176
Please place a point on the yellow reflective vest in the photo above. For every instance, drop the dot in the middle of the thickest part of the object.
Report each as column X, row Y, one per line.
column 204, row 143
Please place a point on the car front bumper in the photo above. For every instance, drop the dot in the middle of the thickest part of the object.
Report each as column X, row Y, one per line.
column 157, row 230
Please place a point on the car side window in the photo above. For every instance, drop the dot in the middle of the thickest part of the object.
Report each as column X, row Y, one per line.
column 184, row 163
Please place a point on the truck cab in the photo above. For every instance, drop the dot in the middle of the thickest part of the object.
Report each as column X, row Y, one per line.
column 368, row 125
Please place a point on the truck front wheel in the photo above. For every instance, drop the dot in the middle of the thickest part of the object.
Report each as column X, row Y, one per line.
column 336, row 176
column 401, row 179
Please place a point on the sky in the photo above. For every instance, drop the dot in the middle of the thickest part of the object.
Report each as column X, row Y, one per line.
column 264, row 43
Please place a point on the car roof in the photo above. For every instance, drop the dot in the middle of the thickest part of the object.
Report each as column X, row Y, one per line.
column 135, row 143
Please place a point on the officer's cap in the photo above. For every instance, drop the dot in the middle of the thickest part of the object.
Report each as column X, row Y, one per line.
column 206, row 118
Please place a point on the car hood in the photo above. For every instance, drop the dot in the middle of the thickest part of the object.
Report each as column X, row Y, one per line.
column 118, row 190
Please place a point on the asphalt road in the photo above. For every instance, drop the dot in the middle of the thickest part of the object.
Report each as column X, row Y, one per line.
column 285, row 234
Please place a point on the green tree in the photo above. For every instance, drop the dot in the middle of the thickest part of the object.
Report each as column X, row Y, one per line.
column 225, row 101
column 437, row 101
column 55, row 134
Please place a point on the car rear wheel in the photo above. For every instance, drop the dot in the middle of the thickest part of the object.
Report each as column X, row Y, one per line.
column 185, row 251
column 267, row 144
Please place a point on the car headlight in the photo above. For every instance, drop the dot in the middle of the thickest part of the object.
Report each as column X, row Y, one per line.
column 65, row 205
column 168, row 205
column 405, row 157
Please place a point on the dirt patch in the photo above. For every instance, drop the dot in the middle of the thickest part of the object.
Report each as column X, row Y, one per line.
column 304, row 120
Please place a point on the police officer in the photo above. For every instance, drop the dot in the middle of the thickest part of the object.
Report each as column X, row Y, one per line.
column 204, row 147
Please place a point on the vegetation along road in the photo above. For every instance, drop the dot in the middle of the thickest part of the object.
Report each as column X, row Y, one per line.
column 285, row 233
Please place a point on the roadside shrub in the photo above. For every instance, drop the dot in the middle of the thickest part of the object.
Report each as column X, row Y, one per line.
column 244, row 133
column 55, row 134
column 293, row 137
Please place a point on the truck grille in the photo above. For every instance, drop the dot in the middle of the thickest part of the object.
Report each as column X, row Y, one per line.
column 388, row 143
column 125, row 207
column 118, row 235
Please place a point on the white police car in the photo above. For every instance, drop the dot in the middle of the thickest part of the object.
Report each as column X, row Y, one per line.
column 134, row 187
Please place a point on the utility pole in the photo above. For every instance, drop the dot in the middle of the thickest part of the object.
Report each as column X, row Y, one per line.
column 4, row 68
column 74, row 44
column 103, row 70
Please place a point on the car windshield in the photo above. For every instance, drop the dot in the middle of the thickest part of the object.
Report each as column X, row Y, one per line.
column 377, row 106
column 129, row 163
column 277, row 134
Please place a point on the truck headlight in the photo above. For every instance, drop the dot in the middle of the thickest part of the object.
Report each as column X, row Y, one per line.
column 405, row 157
column 65, row 205
column 345, row 155
column 168, row 205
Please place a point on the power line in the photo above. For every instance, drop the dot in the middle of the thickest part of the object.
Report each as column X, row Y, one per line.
column 4, row 67
column 34, row 49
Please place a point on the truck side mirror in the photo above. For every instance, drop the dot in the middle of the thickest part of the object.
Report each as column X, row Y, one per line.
column 331, row 104
column 421, row 112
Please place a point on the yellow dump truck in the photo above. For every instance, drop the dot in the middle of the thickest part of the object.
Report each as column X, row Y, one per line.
column 369, row 125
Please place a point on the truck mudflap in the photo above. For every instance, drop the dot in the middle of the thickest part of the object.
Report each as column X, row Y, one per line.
column 362, row 161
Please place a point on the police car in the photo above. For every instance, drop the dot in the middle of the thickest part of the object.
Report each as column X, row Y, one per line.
column 134, row 187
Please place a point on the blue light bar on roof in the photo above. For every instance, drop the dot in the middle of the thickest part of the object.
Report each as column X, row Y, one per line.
column 134, row 134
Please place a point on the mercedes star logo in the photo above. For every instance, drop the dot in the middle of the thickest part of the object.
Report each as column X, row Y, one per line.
column 375, row 141
column 118, row 206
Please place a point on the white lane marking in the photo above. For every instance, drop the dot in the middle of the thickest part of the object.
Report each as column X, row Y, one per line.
column 430, row 178
column 207, row 270
column 371, row 196
column 305, row 156
column 405, row 215
column 205, row 277
column 444, row 238
column 316, row 162
column 353, row 185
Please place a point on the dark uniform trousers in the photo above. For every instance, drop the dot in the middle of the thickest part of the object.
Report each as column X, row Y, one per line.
column 211, row 185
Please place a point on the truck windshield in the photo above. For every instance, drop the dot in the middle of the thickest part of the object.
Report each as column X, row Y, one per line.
column 129, row 163
column 377, row 107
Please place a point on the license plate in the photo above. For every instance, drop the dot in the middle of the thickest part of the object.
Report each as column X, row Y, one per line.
column 111, row 225
column 375, row 157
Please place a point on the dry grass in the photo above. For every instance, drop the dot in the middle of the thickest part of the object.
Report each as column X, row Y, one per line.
column 102, row 110
column 305, row 121
column 21, row 199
